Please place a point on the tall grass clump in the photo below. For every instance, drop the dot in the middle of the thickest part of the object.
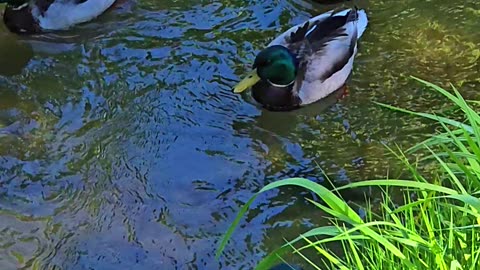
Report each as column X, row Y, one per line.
column 438, row 228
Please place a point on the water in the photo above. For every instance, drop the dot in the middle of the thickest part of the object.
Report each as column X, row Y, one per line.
column 122, row 147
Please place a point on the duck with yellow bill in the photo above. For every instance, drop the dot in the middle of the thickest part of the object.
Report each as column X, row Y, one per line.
column 307, row 62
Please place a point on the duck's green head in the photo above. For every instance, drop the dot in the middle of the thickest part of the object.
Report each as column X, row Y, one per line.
column 275, row 64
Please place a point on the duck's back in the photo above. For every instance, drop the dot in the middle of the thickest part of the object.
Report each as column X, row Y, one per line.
column 64, row 14
column 330, row 66
column 326, row 46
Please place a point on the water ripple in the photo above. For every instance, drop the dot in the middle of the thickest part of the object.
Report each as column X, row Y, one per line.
column 122, row 146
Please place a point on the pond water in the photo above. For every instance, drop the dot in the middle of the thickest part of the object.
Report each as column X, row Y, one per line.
column 122, row 147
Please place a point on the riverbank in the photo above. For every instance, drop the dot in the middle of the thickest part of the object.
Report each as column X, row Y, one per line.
column 435, row 226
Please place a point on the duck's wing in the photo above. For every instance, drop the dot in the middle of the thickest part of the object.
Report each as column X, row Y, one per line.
column 286, row 37
column 63, row 14
column 43, row 5
column 325, row 43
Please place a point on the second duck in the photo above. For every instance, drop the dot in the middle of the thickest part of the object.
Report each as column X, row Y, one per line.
column 36, row 16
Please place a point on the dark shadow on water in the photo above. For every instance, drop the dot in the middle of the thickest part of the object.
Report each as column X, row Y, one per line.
column 14, row 55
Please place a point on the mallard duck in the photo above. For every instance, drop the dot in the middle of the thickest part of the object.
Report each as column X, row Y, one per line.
column 36, row 16
column 307, row 62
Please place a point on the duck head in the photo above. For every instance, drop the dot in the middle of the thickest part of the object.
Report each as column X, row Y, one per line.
column 275, row 65
column 273, row 79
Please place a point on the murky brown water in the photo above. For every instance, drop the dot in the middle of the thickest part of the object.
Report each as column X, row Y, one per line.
column 122, row 147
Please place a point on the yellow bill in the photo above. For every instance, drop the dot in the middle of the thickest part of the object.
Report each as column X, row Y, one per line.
column 251, row 79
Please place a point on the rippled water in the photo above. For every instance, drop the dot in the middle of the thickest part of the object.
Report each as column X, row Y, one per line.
column 122, row 147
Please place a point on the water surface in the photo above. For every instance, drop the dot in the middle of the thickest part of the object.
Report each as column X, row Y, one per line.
column 122, row 147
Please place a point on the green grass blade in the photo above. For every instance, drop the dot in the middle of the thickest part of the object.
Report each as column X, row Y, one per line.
column 326, row 195
column 232, row 227
column 400, row 183
column 430, row 116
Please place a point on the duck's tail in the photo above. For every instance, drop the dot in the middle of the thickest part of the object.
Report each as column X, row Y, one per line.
column 359, row 16
column 362, row 22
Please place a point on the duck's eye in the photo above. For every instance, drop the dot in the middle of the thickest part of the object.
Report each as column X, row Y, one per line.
column 263, row 62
